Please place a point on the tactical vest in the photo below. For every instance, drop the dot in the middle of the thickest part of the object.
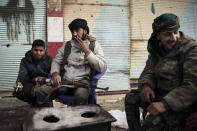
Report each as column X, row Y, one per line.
column 67, row 51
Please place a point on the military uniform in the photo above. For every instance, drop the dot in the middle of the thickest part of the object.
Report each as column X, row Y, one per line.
column 173, row 77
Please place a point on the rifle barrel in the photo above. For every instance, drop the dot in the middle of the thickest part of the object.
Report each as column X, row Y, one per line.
column 105, row 89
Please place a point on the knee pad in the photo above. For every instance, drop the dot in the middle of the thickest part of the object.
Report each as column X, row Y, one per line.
column 62, row 90
column 80, row 101
column 132, row 98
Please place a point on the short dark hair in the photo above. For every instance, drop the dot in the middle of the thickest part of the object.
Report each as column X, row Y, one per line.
column 38, row 42
column 77, row 24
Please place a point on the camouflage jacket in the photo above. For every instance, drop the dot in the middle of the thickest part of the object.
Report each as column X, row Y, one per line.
column 173, row 75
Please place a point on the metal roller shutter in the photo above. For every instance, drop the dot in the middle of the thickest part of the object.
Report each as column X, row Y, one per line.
column 108, row 21
column 21, row 22
column 141, row 26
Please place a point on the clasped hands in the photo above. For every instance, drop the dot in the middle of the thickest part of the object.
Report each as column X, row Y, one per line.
column 155, row 108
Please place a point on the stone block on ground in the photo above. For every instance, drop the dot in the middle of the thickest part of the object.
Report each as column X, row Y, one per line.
column 13, row 113
column 78, row 118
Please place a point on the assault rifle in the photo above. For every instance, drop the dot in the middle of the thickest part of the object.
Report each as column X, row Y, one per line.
column 74, row 84
column 69, row 85
column 77, row 84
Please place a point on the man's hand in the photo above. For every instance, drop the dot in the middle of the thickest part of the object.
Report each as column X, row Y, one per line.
column 33, row 90
column 56, row 79
column 147, row 94
column 39, row 78
column 18, row 86
column 156, row 108
column 82, row 45
column 191, row 122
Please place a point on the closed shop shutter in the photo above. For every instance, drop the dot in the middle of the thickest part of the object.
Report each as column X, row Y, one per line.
column 141, row 26
column 21, row 22
column 189, row 19
column 108, row 21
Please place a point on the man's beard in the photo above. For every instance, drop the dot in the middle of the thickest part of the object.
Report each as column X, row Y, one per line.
column 172, row 44
column 83, row 36
column 38, row 57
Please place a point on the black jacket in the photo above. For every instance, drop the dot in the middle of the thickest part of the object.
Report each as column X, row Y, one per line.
column 30, row 69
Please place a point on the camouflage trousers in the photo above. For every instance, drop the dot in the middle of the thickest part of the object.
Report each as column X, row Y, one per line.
column 151, row 123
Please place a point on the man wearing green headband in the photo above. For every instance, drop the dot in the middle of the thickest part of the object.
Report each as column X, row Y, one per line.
column 168, row 83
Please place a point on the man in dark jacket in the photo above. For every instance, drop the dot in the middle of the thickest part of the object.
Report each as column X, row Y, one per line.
column 34, row 69
column 167, row 85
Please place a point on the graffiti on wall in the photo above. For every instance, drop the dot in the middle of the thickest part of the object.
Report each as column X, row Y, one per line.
column 12, row 14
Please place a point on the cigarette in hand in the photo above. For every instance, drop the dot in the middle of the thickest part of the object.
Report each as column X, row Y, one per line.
column 18, row 86
column 16, row 89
